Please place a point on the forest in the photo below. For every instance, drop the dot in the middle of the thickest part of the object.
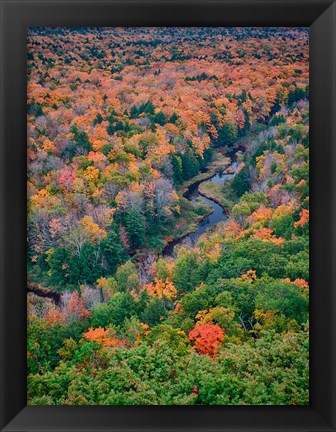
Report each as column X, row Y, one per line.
column 168, row 216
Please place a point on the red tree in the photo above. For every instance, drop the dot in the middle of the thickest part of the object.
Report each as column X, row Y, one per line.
column 75, row 307
column 207, row 338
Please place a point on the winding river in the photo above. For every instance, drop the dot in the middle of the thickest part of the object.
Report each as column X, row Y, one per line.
column 192, row 194
column 217, row 214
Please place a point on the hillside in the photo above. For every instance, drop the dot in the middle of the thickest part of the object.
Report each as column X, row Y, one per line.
column 121, row 122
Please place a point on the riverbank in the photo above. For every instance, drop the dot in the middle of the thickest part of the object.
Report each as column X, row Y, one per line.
column 200, row 212
column 193, row 213
column 44, row 292
column 215, row 192
column 218, row 164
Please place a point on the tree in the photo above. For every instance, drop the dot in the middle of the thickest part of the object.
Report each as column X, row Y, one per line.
column 98, row 119
column 113, row 250
column 74, row 307
column 296, row 95
column 81, row 139
column 127, row 277
column 284, row 298
column 135, row 227
column 154, row 313
column 241, row 182
column 207, row 338
column 167, row 336
column 190, row 164
column 102, row 337
column 227, row 134
column 162, row 288
column 173, row 118
column 177, row 169
column 108, row 286
column 160, row 118
column 187, row 272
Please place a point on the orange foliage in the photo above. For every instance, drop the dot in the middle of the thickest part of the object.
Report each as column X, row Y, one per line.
column 102, row 337
column 54, row 316
column 249, row 276
column 232, row 229
column 207, row 338
column 299, row 282
column 304, row 218
column 161, row 288
column 261, row 214
column 266, row 235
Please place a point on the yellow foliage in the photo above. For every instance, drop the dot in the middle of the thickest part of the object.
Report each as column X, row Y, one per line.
column 48, row 146
column 162, row 288
column 221, row 315
column 92, row 174
column 249, row 276
column 93, row 231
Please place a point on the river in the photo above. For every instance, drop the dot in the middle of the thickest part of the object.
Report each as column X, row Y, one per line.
column 192, row 194
column 217, row 214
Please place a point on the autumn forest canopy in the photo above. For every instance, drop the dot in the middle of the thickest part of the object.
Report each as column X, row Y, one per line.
column 168, row 216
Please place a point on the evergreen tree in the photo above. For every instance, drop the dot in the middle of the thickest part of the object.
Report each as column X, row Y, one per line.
column 227, row 134
column 173, row 118
column 113, row 251
column 177, row 169
column 190, row 164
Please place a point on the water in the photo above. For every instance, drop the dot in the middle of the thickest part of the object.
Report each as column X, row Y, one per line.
column 221, row 178
column 217, row 215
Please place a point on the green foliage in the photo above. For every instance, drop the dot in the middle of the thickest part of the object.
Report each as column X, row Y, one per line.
column 227, row 134
column 241, row 182
column 115, row 311
column 276, row 120
column 98, row 119
column 190, row 164
column 177, row 169
column 135, row 226
column 113, row 251
column 69, row 268
column 173, row 118
column 271, row 370
column 35, row 108
column 284, row 298
column 81, row 139
column 187, row 272
column 127, row 277
column 296, row 95
column 154, row 312
column 160, row 118
column 283, row 227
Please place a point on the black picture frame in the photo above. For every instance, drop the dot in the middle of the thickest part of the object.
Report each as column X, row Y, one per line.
column 16, row 16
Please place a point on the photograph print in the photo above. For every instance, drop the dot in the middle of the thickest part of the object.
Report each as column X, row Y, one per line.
column 168, row 216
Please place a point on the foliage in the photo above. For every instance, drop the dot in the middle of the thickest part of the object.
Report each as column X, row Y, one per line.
column 122, row 125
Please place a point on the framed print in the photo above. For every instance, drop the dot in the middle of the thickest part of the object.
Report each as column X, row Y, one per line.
column 168, row 190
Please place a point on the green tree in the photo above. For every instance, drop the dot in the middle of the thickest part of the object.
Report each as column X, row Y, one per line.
column 127, row 277
column 113, row 251
column 284, row 298
column 160, row 118
column 177, row 169
column 187, row 272
column 190, row 164
column 227, row 134
column 135, row 226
